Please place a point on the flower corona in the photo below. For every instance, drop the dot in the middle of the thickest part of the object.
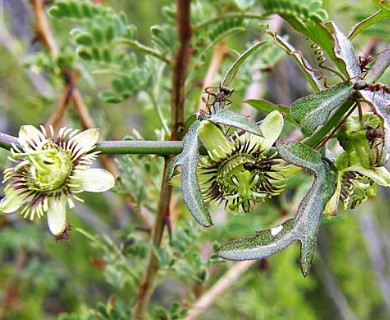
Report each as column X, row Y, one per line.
column 50, row 169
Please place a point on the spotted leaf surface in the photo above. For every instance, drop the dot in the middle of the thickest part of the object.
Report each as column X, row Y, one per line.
column 188, row 162
column 304, row 226
column 314, row 110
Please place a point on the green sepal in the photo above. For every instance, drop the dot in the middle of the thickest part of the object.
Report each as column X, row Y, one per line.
column 314, row 110
column 188, row 161
column 304, row 226
column 233, row 119
column 375, row 18
column 266, row 107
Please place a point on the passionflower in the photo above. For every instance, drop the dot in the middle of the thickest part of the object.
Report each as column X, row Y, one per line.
column 239, row 169
column 50, row 170
column 360, row 168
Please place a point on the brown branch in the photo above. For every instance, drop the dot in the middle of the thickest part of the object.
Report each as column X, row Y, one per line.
column 42, row 27
column 147, row 283
column 180, row 67
column 56, row 117
column 177, row 117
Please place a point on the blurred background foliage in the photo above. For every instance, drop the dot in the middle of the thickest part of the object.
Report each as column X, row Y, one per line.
column 96, row 274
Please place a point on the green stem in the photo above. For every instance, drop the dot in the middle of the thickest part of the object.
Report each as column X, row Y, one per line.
column 140, row 147
column 148, row 50
column 7, row 141
column 162, row 148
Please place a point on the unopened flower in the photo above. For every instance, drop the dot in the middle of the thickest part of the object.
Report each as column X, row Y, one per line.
column 238, row 169
column 49, row 171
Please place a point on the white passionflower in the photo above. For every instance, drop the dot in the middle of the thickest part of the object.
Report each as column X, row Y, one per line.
column 50, row 170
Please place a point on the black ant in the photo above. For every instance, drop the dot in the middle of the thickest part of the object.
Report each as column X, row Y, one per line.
column 261, row 166
column 220, row 97
column 65, row 234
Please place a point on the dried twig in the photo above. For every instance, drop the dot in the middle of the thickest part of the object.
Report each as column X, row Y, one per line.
column 219, row 288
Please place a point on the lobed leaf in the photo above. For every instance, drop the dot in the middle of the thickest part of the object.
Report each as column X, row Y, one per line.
column 236, row 120
column 188, row 161
column 344, row 51
column 314, row 110
column 304, row 226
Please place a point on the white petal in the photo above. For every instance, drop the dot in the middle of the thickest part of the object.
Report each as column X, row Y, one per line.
column 96, row 180
column 86, row 140
column 11, row 202
column 29, row 135
column 56, row 217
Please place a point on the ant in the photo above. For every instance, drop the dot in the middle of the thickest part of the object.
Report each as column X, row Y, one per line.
column 261, row 166
column 364, row 62
column 220, row 97
column 373, row 134
column 363, row 85
column 65, row 234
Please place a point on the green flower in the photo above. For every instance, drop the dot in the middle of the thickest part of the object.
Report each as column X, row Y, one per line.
column 50, row 170
column 239, row 169
column 360, row 167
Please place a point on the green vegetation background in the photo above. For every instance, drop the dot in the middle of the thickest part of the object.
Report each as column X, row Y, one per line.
column 42, row 279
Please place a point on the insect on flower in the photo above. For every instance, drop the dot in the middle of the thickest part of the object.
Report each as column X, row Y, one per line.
column 238, row 170
column 220, row 97
column 50, row 169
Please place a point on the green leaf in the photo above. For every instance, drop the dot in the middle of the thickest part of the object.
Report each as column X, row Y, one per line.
column 267, row 107
column 188, row 162
column 314, row 110
column 223, row 28
column 236, row 120
column 323, row 37
column 231, row 73
column 302, row 10
column 344, row 51
column 377, row 17
column 304, row 226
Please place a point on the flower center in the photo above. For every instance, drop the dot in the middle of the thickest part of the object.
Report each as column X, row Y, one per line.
column 233, row 178
column 48, row 170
